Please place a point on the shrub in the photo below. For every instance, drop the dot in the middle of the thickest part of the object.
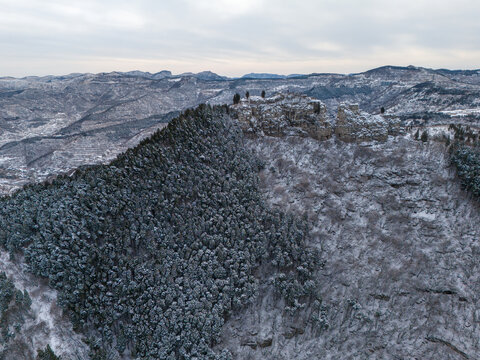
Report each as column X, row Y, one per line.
column 47, row 354
column 424, row 136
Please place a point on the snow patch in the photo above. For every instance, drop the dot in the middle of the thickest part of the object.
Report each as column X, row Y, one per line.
column 425, row 216
column 48, row 325
column 461, row 112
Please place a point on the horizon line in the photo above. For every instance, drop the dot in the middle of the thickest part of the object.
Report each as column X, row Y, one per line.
column 265, row 75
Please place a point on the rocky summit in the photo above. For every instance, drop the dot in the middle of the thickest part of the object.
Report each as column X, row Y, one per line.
column 300, row 115
column 282, row 115
column 352, row 125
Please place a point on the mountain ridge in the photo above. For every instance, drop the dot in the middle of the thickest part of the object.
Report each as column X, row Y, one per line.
column 108, row 112
column 329, row 272
column 253, row 75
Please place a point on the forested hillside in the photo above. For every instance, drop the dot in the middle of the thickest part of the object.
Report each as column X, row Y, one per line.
column 152, row 253
column 465, row 156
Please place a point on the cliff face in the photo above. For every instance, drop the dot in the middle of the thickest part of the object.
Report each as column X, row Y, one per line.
column 354, row 126
column 283, row 115
column 399, row 242
column 299, row 115
column 398, row 238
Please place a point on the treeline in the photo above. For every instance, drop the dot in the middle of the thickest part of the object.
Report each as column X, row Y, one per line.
column 467, row 162
column 151, row 253
column 465, row 156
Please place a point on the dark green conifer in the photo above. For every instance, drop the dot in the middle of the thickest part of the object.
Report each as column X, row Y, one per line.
column 47, row 354
column 236, row 98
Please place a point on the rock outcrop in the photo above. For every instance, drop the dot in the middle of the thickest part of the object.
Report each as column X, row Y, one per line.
column 283, row 115
column 355, row 126
column 299, row 115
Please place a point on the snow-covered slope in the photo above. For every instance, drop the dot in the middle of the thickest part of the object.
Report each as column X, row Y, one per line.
column 398, row 237
column 50, row 125
column 46, row 323
column 399, row 241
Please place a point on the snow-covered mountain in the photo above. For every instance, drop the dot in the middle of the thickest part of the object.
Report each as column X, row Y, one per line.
column 397, row 234
column 53, row 124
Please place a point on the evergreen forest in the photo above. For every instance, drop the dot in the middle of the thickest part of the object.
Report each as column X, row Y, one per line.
column 152, row 253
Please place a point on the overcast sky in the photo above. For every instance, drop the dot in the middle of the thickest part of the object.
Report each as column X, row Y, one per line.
column 234, row 37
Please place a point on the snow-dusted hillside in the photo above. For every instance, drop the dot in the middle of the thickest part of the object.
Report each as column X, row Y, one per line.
column 52, row 125
column 45, row 323
column 399, row 241
column 397, row 275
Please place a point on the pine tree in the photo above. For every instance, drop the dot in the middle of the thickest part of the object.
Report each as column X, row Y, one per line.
column 424, row 136
column 47, row 354
column 236, row 98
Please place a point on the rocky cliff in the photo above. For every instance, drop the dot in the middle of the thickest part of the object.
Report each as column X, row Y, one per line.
column 284, row 114
column 353, row 125
column 288, row 114
column 399, row 242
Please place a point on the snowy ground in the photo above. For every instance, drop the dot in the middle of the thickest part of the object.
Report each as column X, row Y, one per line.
column 47, row 325
column 461, row 112
column 400, row 241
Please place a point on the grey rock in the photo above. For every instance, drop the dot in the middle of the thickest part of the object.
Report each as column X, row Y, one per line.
column 352, row 125
column 284, row 114
column 287, row 114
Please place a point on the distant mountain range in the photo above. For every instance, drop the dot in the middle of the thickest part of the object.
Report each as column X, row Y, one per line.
column 209, row 75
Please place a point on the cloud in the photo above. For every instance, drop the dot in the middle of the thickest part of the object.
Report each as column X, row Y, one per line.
column 226, row 9
column 235, row 36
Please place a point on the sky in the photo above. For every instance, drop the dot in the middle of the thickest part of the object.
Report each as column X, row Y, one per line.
column 235, row 37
